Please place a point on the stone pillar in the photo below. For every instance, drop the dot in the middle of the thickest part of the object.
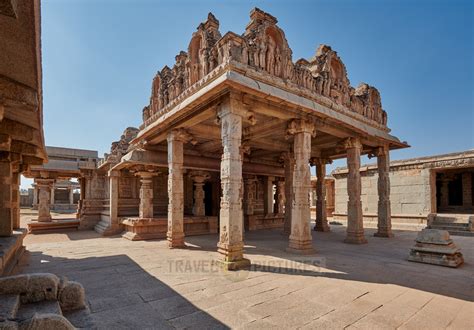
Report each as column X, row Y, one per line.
column 52, row 195
column 249, row 195
column 199, row 178
column 384, row 224
column 71, row 195
column 321, row 216
column 35, row 196
column 114, row 177
column 268, row 194
column 289, row 164
column 467, row 189
column 16, row 200
column 44, row 188
column 146, row 194
column 175, row 234
column 444, row 192
column 279, row 206
column 6, row 223
column 300, row 237
column 355, row 224
column 231, row 245
column 81, row 196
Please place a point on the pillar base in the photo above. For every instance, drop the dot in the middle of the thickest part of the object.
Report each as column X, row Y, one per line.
column 175, row 241
column 384, row 234
column 45, row 219
column 300, row 246
column 355, row 239
column 235, row 264
column 323, row 228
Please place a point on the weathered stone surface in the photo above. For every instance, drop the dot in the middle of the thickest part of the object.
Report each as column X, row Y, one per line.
column 9, row 304
column 435, row 247
column 46, row 321
column 71, row 296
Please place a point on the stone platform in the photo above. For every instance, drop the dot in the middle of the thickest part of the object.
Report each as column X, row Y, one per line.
column 137, row 229
column 264, row 221
column 11, row 250
column 55, row 224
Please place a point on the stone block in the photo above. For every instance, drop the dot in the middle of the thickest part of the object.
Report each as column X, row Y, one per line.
column 72, row 296
column 435, row 247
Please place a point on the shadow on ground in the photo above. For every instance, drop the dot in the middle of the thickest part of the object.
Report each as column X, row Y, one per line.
column 382, row 260
column 121, row 294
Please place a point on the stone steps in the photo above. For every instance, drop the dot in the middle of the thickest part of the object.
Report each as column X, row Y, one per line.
column 455, row 224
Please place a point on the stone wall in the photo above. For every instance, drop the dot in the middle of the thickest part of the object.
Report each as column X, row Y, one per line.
column 409, row 194
column 412, row 187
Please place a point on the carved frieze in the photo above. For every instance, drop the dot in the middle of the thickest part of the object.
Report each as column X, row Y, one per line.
column 262, row 47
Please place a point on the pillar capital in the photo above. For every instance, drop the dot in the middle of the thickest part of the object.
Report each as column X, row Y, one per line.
column 319, row 161
column 113, row 173
column 301, row 126
column 146, row 174
column 352, row 143
column 199, row 176
column 179, row 134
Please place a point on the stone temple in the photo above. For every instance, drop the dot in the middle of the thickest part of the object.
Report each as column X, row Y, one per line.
column 227, row 141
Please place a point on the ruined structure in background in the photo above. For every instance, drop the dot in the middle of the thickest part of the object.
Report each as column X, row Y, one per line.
column 436, row 191
column 230, row 131
column 63, row 164
column 21, row 116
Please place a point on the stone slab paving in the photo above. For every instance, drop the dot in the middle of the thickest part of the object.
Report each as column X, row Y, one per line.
column 144, row 284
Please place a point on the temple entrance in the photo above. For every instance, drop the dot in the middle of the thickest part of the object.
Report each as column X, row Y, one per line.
column 455, row 191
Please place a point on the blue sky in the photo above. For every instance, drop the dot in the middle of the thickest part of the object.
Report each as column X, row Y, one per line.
column 100, row 56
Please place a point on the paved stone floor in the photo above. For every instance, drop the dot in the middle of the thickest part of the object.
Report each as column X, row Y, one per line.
column 146, row 285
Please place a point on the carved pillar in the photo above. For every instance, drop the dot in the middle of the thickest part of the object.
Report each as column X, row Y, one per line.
column 355, row 225
column 6, row 223
column 199, row 178
column 44, row 188
column 268, row 194
column 321, row 209
column 467, row 189
column 289, row 164
column 114, row 226
column 444, row 192
column 175, row 234
column 145, row 209
column 300, row 237
column 52, row 194
column 384, row 225
column 71, row 195
column 231, row 245
column 35, row 196
column 79, row 203
column 249, row 195
column 279, row 206
column 16, row 200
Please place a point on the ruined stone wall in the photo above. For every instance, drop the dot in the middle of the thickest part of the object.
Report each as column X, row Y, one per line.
column 410, row 193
